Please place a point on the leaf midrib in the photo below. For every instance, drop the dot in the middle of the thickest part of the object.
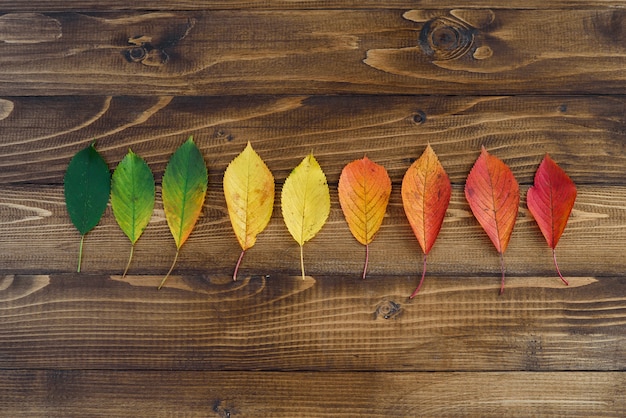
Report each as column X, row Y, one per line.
column 183, row 202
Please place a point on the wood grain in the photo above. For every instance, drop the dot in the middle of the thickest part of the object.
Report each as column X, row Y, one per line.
column 324, row 323
column 453, row 51
column 586, row 135
column 341, row 79
column 37, row 236
column 214, row 394
column 174, row 5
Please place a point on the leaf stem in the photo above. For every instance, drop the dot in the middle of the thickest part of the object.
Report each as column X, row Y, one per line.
column 80, row 252
column 168, row 273
column 557, row 268
column 503, row 269
column 302, row 260
column 367, row 258
column 237, row 266
column 417, row 289
column 130, row 257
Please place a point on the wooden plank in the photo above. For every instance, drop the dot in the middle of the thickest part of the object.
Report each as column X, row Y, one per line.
column 325, row 323
column 140, row 5
column 37, row 236
column 457, row 51
column 229, row 394
column 585, row 135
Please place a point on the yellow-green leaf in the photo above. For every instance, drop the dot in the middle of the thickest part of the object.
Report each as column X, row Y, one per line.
column 305, row 202
column 132, row 197
column 249, row 193
column 184, row 188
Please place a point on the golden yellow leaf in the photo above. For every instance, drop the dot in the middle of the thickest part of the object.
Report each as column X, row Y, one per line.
column 249, row 193
column 305, row 202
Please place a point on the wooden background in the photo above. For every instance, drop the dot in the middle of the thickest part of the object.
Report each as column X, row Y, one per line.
column 341, row 79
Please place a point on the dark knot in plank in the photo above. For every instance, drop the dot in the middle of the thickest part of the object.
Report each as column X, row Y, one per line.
column 145, row 52
column 151, row 50
column 418, row 117
column 387, row 309
column 444, row 38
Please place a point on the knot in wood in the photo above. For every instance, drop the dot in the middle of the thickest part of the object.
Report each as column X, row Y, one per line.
column 136, row 54
column 419, row 117
column 387, row 309
column 446, row 39
column 144, row 52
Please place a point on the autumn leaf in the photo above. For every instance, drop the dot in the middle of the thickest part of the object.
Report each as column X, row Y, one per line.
column 426, row 191
column 364, row 190
column 493, row 195
column 550, row 200
column 87, row 184
column 132, row 198
column 305, row 202
column 184, row 188
column 249, row 193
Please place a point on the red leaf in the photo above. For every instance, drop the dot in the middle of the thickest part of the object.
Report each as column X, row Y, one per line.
column 493, row 195
column 426, row 194
column 550, row 200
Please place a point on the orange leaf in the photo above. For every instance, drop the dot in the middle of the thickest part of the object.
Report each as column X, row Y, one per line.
column 493, row 196
column 550, row 200
column 364, row 189
column 426, row 194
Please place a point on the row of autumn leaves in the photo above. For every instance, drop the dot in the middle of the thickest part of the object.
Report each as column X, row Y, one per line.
column 364, row 189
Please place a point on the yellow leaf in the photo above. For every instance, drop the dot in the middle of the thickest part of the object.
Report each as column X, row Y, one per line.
column 305, row 202
column 249, row 193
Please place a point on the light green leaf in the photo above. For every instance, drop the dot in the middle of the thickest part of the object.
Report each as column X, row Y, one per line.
column 132, row 197
column 87, row 185
column 305, row 202
column 184, row 188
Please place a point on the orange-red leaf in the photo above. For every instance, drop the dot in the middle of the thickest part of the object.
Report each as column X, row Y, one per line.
column 493, row 195
column 426, row 194
column 364, row 189
column 550, row 200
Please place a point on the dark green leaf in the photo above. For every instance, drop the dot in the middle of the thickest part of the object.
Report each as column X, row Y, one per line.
column 87, row 187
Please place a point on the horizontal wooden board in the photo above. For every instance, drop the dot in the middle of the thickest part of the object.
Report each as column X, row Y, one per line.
column 172, row 5
column 585, row 135
column 56, row 393
column 36, row 236
column 326, row 323
column 452, row 51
